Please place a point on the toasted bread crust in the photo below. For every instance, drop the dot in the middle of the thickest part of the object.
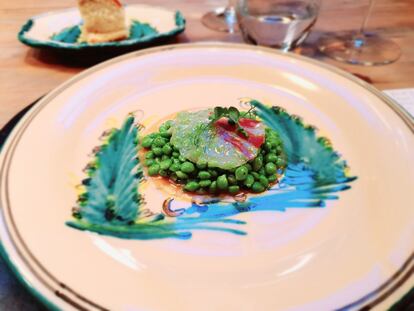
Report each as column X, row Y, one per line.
column 93, row 37
column 103, row 20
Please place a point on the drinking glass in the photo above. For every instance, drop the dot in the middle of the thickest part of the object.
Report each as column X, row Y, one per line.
column 282, row 24
column 222, row 19
column 361, row 48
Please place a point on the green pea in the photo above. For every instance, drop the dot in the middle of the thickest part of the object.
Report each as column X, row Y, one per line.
column 162, row 128
column 164, row 157
column 213, row 173
column 181, row 158
column 272, row 178
column 175, row 154
column 163, row 173
column 167, row 124
column 270, row 168
column 205, row 183
column 181, row 175
column 232, row 180
column 213, row 187
column 262, row 171
column 248, row 182
column 147, row 142
column 201, row 164
column 257, row 187
column 191, row 186
column 176, row 161
column 204, row 175
column 271, row 133
column 153, row 169
column 280, row 162
column 271, row 157
column 257, row 163
column 166, row 134
column 149, row 162
column 149, row 155
column 267, row 146
column 222, row 182
column 166, row 149
column 241, row 172
column 234, row 189
column 159, row 142
column 175, row 167
column 157, row 150
column 274, row 143
column 263, row 180
column 255, row 175
column 164, row 165
column 248, row 166
column 187, row 167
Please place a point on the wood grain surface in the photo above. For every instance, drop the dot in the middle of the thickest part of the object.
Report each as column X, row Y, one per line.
column 26, row 73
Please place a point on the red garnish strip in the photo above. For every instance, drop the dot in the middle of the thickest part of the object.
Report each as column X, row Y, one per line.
column 230, row 134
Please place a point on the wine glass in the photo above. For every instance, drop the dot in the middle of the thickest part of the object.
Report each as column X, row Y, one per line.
column 222, row 19
column 361, row 48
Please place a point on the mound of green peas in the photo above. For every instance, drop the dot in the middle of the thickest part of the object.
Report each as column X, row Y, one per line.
column 163, row 159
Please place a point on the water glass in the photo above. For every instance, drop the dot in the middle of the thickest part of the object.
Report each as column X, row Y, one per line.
column 281, row 24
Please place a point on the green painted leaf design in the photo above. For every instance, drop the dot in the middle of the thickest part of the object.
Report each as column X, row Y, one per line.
column 302, row 146
column 111, row 194
column 111, row 204
column 68, row 35
column 139, row 30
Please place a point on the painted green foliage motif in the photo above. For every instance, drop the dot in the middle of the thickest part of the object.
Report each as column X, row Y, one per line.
column 137, row 30
column 112, row 205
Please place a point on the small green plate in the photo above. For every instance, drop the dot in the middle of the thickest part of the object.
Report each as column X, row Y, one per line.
column 59, row 31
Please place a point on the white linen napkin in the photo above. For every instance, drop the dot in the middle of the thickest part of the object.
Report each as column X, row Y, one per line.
column 404, row 97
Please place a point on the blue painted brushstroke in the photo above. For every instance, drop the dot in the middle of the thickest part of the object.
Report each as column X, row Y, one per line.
column 314, row 174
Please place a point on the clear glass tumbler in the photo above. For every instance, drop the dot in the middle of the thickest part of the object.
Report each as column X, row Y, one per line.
column 281, row 24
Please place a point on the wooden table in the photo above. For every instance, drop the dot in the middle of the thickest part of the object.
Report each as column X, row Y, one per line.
column 26, row 73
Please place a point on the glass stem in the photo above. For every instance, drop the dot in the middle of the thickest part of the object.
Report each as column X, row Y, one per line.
column 231, row 4
column 230, row 14
column 359, row 38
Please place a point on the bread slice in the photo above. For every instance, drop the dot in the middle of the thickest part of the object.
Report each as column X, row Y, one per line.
column 103, row 21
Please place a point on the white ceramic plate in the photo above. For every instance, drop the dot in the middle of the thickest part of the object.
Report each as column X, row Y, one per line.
column 39, row 30
column 355, row 251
